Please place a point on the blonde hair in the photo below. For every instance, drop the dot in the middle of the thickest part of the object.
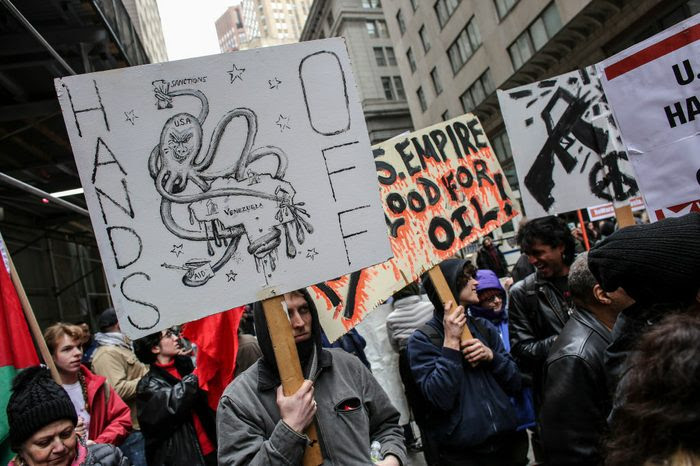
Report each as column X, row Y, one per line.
column 53, row 334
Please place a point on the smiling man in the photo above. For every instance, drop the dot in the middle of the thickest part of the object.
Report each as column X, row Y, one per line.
column 258, row 425
column 540, row 304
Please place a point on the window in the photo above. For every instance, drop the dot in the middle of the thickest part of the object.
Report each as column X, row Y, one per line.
column 397, row 91
column 400, row 21
column 424, row 39
column 501, row 147
column 503, row 7
column 372, row 29
column 414, row 4
column 371, row 4
column 379, row 56
column 445, row 115
column 390, row 56
column 535, row 36
column 388, row 89
column 436, row 81
column 381, row 27
column 444, row 9
column 411, row 60
column 421, row 99
column 398, row 84
column 464, row 46
column 329, row 19
column 477, row 92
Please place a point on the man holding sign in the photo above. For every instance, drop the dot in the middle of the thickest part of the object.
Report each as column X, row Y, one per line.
column 257, row 424
column 466, row 384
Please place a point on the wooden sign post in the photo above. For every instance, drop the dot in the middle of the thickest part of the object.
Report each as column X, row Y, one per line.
column 443, row 290
column 289, row 367
column 624, row 216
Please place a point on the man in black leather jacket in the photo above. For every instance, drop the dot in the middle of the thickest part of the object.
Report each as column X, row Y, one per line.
column 175, row 419
column 576, row 402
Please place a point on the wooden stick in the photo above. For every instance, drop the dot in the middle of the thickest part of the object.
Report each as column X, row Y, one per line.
column 583, row 230
column 289, row 367
column 445, row 294
column 31, row 321
column 625, row 217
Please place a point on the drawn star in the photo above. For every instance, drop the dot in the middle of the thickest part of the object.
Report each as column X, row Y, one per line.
column 283, row 122
column 311, row 253
column 274, row 83
column 177, row 250
column 236, row 73
column 231, row 276
column 130, row 117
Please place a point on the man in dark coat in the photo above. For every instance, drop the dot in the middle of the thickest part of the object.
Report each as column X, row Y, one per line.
column 576, row 402
column 658, row 265
column 175, row 418
column 466, row 384
column 491, row 258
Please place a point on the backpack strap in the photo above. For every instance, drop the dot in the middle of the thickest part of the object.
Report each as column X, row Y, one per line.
column 432, row 334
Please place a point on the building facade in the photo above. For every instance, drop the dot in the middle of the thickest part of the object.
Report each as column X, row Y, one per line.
column 273, row 22
column 146, row 19
column 454, row 54
column 230, row 30
column 375, row 67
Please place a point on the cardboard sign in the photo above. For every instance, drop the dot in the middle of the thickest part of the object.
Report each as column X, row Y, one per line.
column 442, row 189
column 654, row 90
column 223, row 180
column 603, row 211
column 566, row 146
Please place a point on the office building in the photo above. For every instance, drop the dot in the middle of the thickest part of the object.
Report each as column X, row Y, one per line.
column 146, row 20
column 230, row 30
column 273, row 22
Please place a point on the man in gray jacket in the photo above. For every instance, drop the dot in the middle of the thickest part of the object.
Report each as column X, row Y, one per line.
column 258, row 425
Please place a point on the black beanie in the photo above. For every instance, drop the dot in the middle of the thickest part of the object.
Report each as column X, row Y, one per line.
column 36, row 401
column 657, row 263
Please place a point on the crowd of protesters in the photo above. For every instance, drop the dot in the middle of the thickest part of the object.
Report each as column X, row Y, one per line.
column 575, row 358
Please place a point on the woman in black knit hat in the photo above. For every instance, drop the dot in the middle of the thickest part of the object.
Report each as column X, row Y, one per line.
column 42, row 423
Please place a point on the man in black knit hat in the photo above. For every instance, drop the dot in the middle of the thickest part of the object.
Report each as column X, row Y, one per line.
column 257, row 424
column 657, row 265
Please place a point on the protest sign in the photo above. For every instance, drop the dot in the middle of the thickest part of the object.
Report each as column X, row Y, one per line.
column 442, row 188
column 603, row 211
column 219, row 181
column 566, row 146
column 654, row 90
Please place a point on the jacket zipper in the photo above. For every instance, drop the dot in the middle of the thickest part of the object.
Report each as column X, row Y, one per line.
column 556, row 309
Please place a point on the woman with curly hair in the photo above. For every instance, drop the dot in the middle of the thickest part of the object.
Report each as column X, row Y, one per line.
column 658, row 422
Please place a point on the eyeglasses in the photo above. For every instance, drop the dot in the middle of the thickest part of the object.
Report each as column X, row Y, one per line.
column 492, row 299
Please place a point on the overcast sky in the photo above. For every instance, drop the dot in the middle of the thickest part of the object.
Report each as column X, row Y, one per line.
column 188, row 26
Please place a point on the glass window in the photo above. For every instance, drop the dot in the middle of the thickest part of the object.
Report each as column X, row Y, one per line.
column 400, row 21
column 381, row 28
column 437, row 86
column 464, row 46
column 477, row 92
column 388, row 90
column 372, row 29
column 398, row 85
column 504, row 6
column 411, row 60
column 535, row 36
column 444, row 10
column 414, row 4
column 371, row 4
column 329, row 19
column 390, row 56
column 379, row 56
column 424, row 39
column 445, row 115
column 421, row 99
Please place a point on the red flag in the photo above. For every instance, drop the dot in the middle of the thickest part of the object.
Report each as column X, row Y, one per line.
column 16, row 350
column 216, row 338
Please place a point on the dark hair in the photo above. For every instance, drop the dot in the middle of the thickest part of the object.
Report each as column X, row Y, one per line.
column 468, row 272
column 551, row 231
column 143, row 347
column 660, row 414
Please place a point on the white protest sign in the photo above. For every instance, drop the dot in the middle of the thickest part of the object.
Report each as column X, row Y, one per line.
column 654, row 90
column 603, row 211
column 222, row 180
column 567, row 149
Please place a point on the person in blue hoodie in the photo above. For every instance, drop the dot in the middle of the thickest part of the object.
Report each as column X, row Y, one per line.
column 466, row 384
column 493, row 307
